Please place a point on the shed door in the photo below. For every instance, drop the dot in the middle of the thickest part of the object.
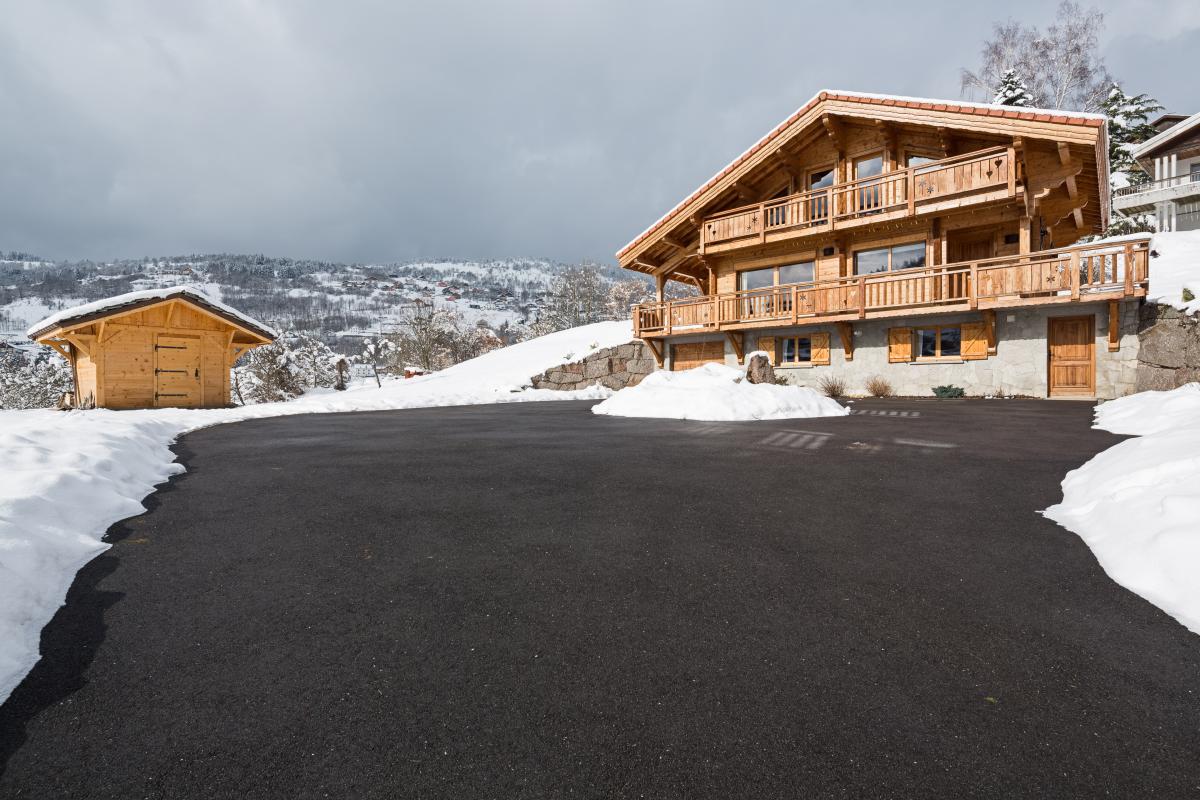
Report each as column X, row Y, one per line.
column 177, row 371
column 1072, row 356
column 692, row 354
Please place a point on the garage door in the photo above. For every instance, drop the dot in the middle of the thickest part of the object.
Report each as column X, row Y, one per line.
column 693, row 354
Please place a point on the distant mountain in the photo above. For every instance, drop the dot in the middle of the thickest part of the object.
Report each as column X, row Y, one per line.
column 334, row 301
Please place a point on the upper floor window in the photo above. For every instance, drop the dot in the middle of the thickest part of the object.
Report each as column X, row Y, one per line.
column 916, row 160
column 798, row 272
column 820, row 178
column 868, row 166
column 889, row 259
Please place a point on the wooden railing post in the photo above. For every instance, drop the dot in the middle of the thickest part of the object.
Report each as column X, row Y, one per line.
column 762, row 222
column 862, row 296
column 910, row 186
column 973, row 290
column 1074, row 274
column 1128, row 270
column 795, row 303
column 667, row 314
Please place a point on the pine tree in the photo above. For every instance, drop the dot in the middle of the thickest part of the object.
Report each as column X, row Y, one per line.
column 1012, row 91
column 1128, row 125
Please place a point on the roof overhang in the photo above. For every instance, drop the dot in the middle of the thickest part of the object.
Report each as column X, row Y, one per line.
column 1029, row 123
column 66, row 324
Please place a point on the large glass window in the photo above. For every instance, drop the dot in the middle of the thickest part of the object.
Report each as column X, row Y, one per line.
column 820, row 178
column 868, row 167
column 818, row 207
column 885, row 259
column 907, row 256
column 914, row 160
column 867, row 262
column 756, row 278
column 801, row 272
column 868, row 197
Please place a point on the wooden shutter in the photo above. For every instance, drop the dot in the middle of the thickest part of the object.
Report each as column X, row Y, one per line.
column 974, row 340
column 820, row 348
column 900, row 344
column 767, row 345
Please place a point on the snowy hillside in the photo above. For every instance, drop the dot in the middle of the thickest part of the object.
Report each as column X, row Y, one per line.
column 65, row 477
column 330, row 300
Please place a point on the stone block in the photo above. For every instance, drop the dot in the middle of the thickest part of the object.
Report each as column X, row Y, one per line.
column 1151, row 378
column 1164, row 345
column 597, row 367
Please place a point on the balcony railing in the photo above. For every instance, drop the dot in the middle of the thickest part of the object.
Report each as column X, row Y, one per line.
column 1065, row 275
column 908, row 189
column 1163, row 183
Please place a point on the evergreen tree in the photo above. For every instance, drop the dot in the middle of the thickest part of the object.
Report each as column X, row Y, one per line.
column 1128, row 125
column 1012, row 91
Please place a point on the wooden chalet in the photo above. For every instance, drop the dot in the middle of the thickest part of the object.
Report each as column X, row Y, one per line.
column 906, row 231
column 152, row 349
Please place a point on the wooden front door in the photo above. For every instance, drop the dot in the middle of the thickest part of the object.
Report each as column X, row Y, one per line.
column 693, row 354
column 177, row 371
column 1072, row 367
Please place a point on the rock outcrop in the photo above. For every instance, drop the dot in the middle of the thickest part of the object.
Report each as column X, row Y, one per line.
column 613, row 367
column 759, row 370
column 1168, row 348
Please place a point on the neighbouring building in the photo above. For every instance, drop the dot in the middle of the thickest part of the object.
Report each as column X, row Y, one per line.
column 1171, row 159
column 925, row 242
column 152, row 349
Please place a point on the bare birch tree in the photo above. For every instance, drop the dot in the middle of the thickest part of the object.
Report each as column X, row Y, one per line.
column 1061, row 67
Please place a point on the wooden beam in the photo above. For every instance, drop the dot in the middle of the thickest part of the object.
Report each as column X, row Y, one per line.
column 946, row 139
column 1114, row 326
column 989, row 324
column 834, row 129
column 656, row 349
column 744, row 191
column 846, row 334
column 674, row 242
column 60, row 347
column 83, row 342
column 735, row 341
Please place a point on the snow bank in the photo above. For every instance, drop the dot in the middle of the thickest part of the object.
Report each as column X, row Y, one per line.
column 717, row 393
column 1137, row 504
column 66, row 477
column 1176, row 268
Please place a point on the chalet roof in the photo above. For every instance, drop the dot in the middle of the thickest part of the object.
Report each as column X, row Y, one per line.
column 1169, row 135
column 130, row 301
column 1056, row 116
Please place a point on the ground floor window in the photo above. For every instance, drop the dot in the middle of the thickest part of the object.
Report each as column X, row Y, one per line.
column 809, row 349
column 942, row 341
column 797, row 350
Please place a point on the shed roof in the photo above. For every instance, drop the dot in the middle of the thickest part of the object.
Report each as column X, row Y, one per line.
column 122, row 303
column 1057, row 116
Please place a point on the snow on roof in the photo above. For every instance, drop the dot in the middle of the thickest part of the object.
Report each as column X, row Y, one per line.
column 930, row 104
column 1166, row 136
column 145, row 297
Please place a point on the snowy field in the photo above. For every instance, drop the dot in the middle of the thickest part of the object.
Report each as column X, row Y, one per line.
column 716, row 393
column 65, row 477
column 1137, row 504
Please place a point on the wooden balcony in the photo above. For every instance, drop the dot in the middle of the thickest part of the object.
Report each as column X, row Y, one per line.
column 979, row 177
column 1083, row 273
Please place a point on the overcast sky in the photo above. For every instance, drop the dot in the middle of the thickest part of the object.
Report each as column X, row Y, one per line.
column 380, row 131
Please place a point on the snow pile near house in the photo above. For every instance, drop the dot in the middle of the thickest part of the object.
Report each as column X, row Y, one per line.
column 716, row 393
column 65, row 477
column 1177, row 268
column 1137, row 504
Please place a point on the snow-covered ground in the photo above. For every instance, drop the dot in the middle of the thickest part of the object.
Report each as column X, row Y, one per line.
column 65, row 477
column 715, row 392
column 1176, row 268
column 1137, row 504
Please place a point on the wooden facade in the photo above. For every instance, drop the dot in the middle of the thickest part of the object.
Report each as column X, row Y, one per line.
column 861, row 206
column 170, row 351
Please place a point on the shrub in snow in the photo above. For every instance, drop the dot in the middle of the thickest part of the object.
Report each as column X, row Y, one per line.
column 879, row 387
column 948, row 392
column 832, row 386
column 33, row 382
column 284, row 369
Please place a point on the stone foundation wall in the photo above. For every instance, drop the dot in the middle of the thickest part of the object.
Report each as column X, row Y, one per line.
column 613, row 367
column 1017, row 368
column 1169, row 354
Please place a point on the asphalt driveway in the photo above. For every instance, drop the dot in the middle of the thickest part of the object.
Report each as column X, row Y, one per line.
column 531, row 601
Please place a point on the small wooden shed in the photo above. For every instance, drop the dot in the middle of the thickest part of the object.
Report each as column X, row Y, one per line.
column 152, row 349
